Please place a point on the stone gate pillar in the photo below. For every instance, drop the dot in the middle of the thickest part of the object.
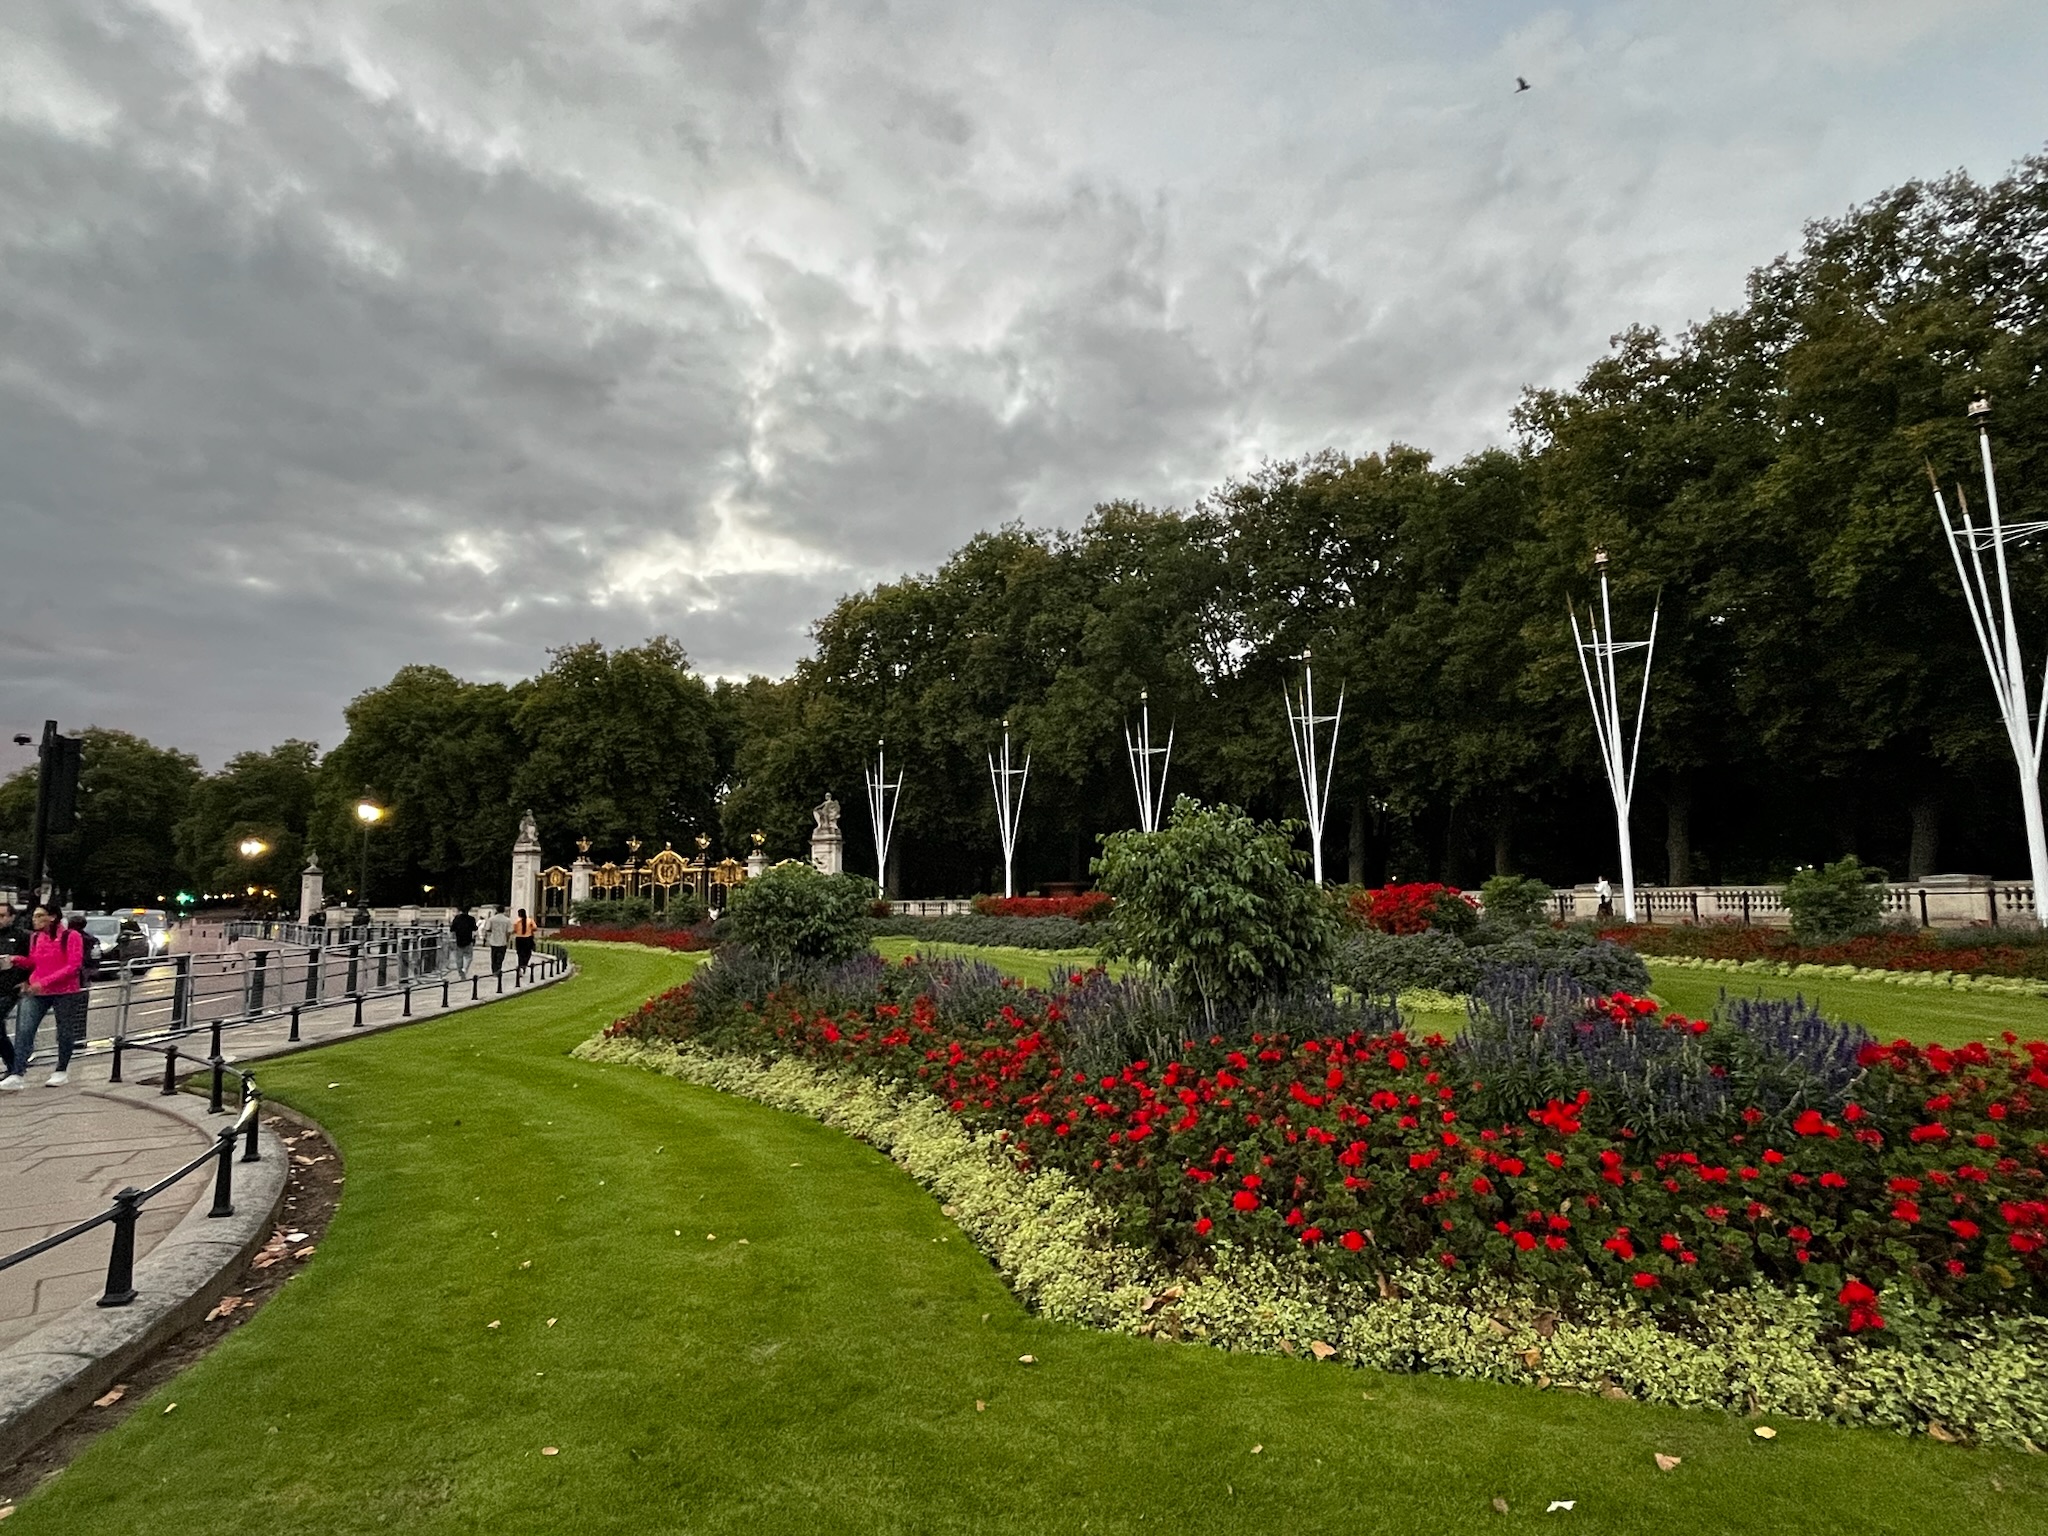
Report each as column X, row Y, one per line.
column 827, row 845
column 526, row 869
column 312, row 889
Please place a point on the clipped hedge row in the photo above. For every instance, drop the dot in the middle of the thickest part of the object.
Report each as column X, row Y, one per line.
column 998, row 932
column 1757, row 1350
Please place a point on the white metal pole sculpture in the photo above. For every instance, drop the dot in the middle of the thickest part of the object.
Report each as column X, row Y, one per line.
column 1009, row 805
column 1603, row 693
column 1303, row 723
column 1151, row 792
column 883, row 798
column 1998, row 635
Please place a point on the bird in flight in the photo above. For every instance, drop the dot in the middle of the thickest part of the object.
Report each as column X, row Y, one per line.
column 1521, row 85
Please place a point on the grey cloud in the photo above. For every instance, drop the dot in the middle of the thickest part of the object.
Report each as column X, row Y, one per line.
column 333, row 338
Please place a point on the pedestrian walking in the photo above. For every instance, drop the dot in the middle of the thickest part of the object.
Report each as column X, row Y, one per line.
column 524, row 932
column 55, row 957
column 14, row 940
column 73, row 1008
column 497, row 935
column 1606, row 894
column 462, row 929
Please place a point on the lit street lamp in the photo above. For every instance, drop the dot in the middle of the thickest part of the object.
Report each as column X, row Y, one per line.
column 369, row 813
column 254, row 847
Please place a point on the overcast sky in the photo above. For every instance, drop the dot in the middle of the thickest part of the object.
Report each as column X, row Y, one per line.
column 335, row 336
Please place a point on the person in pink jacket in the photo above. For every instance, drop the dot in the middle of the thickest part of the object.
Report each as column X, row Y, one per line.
column 55, row 958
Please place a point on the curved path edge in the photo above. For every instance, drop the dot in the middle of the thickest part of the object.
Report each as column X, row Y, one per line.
column 55, row 1371
column 52, row 1373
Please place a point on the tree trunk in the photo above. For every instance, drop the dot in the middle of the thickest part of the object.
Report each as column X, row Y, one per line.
column 1356, row 871
column 1504, row 844
column 1924, row 856
column 1678, row 830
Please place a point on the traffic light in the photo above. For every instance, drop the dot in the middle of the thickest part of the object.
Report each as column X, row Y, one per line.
column 61, row 766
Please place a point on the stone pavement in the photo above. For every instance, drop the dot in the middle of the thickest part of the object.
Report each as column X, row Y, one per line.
column 65, row 1151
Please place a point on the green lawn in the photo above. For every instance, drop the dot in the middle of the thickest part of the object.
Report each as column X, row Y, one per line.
column 823, row 1374
column 1032, row 965
column 1889, row 1012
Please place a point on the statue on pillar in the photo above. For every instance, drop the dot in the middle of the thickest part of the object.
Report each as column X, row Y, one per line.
column 526, row 868
column 827, row 844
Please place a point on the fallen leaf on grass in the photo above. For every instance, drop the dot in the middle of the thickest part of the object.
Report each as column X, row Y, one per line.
column 1765, row 1432
column 551, row 1450
column 494, row 1322
column 980, row 1406
column 226, row 1305
column 710, row 1237
column 551, row 1322
column 112, row 1396
column 1500, row 1506
column 1321, row 1350
column 1557, row 1504
column 743, row 1241
column 334, row 1085
column 1027, row 1359
column 1666, row 1463
column 1943, row 1433
column 167, row 1410
column 526, row 1263
column 307, row 1252
column 1256, row 1449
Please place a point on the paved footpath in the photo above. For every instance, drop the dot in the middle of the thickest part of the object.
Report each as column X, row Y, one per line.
column 64, row 1152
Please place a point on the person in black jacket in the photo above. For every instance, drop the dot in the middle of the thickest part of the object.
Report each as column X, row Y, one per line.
column 14, row 939
column 462, row 929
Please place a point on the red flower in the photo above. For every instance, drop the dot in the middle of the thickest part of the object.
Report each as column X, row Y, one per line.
column 1906, row 1211
column 1353, row 1241
column 1525, row 1241
column 1643, row 1281
column 1202, row 1226
column 1861, row 1301
column 1245, row 1200
column 1312, row 1236
column 1833, row 1180
column 1964, row 1228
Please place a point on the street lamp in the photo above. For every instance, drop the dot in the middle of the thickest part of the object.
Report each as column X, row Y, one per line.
column 369, row 813
column 704, row 870
column 254, row 847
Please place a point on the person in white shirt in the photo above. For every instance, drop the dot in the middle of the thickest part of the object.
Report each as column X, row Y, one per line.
column 498, row 935
column 1606, row 895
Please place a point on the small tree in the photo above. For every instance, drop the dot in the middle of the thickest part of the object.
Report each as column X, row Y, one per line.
column 1515, row 901
column 1216, row 903
column 607, row 912
column 791, row 913
column 1836, row 902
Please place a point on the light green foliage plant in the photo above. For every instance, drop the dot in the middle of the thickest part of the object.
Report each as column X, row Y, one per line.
column 1835, row 902
column 791, row 913
column 603, row 912
column 1215, row 903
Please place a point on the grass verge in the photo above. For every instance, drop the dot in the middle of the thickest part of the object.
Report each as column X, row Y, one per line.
column 824, row 1374
column 1925, row 1015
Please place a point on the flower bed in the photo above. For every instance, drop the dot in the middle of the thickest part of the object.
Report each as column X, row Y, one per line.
column 1918, row 950
column 649, row 935
column 1896, row 1180
column 1758, row 1350
column 1413, row 908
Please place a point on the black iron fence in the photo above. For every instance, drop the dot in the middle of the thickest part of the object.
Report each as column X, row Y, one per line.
column 128, row 1203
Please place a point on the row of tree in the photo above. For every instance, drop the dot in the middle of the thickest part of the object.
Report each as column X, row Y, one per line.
column 1818, row 687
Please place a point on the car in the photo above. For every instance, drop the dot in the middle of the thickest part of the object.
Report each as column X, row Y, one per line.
column 156, row 927
column 120, row 938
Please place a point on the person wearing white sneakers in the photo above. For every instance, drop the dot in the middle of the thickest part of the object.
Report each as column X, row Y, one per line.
column 54, row 960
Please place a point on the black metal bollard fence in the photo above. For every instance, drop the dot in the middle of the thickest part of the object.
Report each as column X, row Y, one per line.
column 444, row 991
column 294, row 1035
column 213, row 1103
column 249, row 1152
column 224, row 1175
column 121, row 1262
column 358, row 1022
column 406, row 1012
column 170, row 1071
column 114, row 1073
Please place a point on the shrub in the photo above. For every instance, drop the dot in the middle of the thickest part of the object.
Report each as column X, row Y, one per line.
column 790, row 913
column 604, row 912
column 1515, row 901
column 1376, row 964
column 1414, row 908
column 1005, row 932
column 656, row 937
column 1836, row 902
column 1596, row 965
column 2016, row 952
column 1085, row 908
column 1215, row 904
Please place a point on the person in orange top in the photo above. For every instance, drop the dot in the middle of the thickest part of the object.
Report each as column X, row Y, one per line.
column 524, row 931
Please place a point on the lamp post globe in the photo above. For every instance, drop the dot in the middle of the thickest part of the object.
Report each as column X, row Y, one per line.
column 369, row 813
